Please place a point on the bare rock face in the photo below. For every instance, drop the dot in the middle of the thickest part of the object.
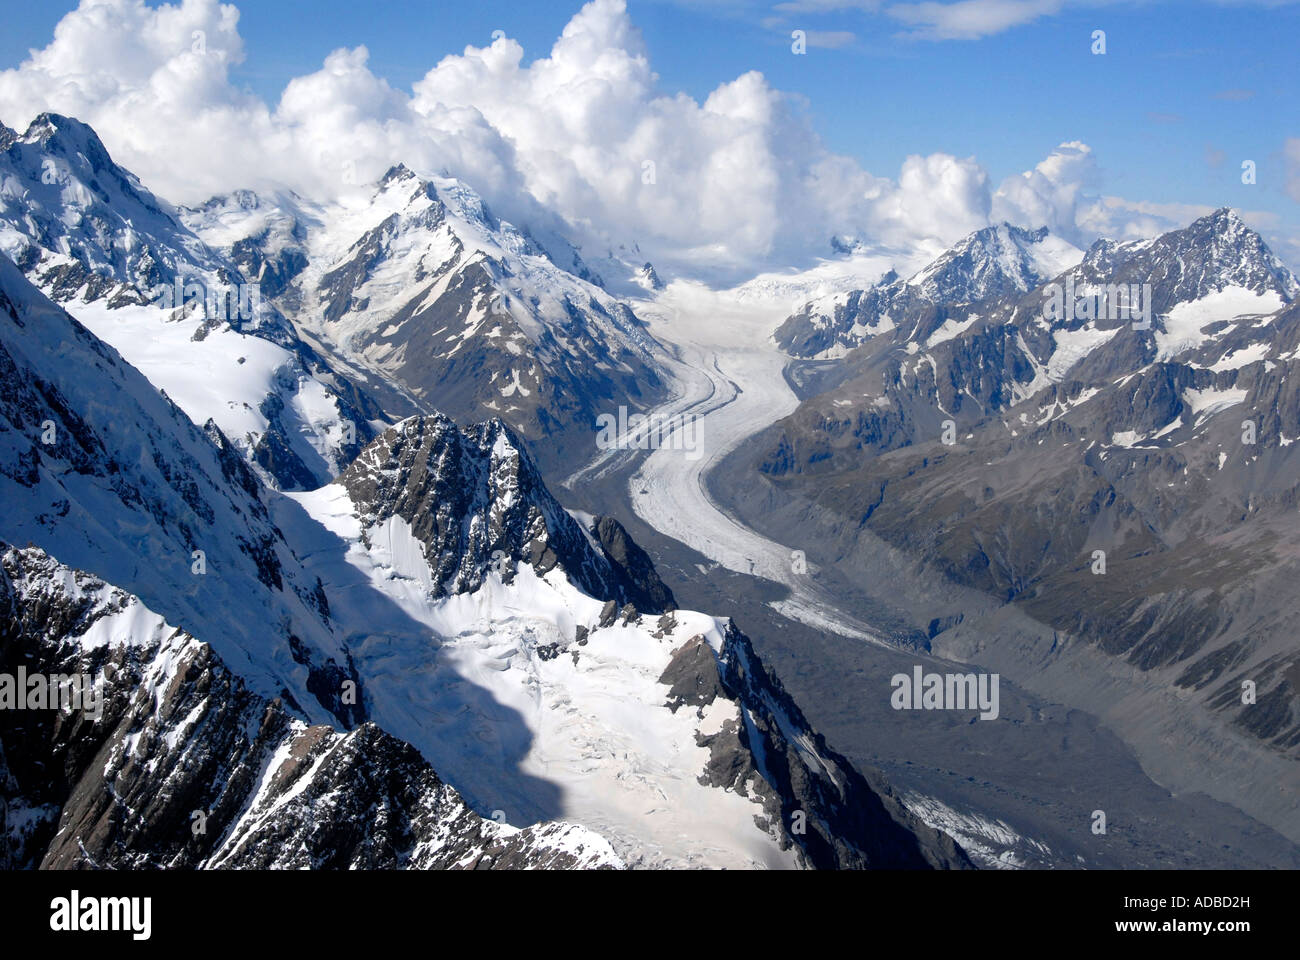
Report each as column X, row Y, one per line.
column 643, row 586
column 477, row 502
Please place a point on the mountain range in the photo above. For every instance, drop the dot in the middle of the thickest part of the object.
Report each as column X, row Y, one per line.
column 418, row 658
column 278, row 475
column 1091, row 485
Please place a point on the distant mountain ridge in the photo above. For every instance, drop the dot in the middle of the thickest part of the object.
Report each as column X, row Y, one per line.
column 1129, row 484
column 996, row 261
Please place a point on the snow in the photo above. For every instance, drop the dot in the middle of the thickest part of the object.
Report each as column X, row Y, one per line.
column 991, row 843
column 1072, row 346
column 438, row 229
column 1206, row 403
column 46, row 197
column 136, row 507
column 1168, row 428
column 951, row 328
column 226, row 377
column 1053, row 255
column 1185, row 322
column 728, row 376
column 998, row 253
column 514, row 386
column 826, row 283
column 1243, row 357
column 1131, row 438
column 461, row 679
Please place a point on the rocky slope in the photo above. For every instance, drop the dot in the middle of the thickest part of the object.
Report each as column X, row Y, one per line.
column 418, row 280
column 183, row 767
column 1125, row 484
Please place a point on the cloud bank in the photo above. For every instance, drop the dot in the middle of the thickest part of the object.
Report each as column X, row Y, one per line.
column 727, row 186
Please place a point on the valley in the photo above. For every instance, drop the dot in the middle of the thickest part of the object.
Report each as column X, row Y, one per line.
column 1020, row 791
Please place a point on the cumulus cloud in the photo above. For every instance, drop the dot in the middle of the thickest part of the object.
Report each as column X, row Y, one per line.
column 937, row 197
column 1050, row 194
column 735, row 183
column 155, row 84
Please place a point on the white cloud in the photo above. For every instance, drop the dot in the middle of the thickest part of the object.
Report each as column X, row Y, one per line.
column 940, row 198
column 1050, row 194
column 970, row 19
column 1122, row 219
column 740, row 181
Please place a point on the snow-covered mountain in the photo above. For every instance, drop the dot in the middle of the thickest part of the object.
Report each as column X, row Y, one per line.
column 82, row 227
column 185, row 767
column 301, row 328
column 88, row 234
column 538, row 663
column 108, row 475
column 993, row 262
column 260, row 731
column 1110, row 453
column 1131, row 305
column 287, row 664
column 417, row 279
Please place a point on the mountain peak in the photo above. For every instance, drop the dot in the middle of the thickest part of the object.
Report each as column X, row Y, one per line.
column 471, row 496
column 1213, row 253
column 476, row 501
column 1001, row 232
column 1224, row 223
column 55, row 128
column 648, row 277
column 397, row 172
column 994, row 261
column 1226, row 215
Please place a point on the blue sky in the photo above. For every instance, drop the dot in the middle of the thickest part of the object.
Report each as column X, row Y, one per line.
column 1187, row 89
